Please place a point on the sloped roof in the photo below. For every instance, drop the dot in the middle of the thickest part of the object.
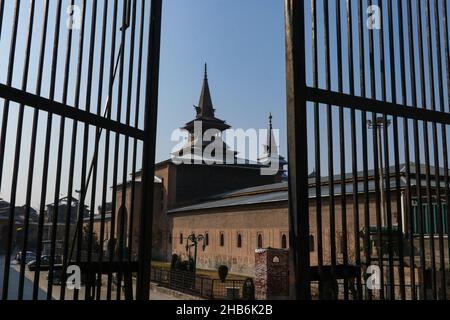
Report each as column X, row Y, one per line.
column 279, row 192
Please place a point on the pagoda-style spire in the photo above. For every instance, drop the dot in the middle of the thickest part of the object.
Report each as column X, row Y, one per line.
column 271, row 148
column 205, row 107
column 270, row 138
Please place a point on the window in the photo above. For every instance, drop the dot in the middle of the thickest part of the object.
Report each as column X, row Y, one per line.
column 206, row 239
column 239, row 241
column 311, row 243
column 341, row 242
column 222, row 239
column 283, row 242
column 427, row 230
column 181, row 238
column 260, row 241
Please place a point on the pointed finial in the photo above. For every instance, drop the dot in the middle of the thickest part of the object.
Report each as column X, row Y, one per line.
column 206, row 71
column 270, row 120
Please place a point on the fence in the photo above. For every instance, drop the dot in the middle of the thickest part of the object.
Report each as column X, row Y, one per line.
column 197, row 285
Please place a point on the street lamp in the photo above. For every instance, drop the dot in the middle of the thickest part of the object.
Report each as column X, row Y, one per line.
column 195, row 240
column 381, row 122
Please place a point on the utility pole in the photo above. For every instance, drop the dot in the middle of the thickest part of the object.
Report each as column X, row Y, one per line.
column 381, row 123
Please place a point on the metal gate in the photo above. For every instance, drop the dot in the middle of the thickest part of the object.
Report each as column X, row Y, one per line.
column 368, row 114
column 78, row 97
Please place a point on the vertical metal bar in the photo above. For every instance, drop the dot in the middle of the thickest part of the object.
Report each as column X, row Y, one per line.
column 136, row 124
column 426, row 138
column 354, row 147
column 362, row 73
column 59, row 163
column 12, row 202
column 83, row 184
column 298, row 149
column 47, row 151
column 344, row 239
column 122, row 231
column 81, row 210
column 376, row 160
column 96, row 151
column 116, row 153
column 148, row 159
column 399, row 234
column 317, row 150
column 332, row 209
column 386, row 177
column 416, row 148
column 440, row 215
column 2, row 10
column 444, row 128
column 33, row 145
column 6, row 103
column 407, row 195
column 105, row 174
column 130, row 219
column 68, row 251
column 108, row 135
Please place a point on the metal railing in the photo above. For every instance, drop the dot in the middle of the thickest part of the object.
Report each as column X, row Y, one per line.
column 197, row 285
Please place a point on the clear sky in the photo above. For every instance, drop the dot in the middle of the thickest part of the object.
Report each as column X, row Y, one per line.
column 243, row 44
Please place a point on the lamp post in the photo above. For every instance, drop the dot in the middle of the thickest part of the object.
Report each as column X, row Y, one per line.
column 195, row 240
column 381, row 122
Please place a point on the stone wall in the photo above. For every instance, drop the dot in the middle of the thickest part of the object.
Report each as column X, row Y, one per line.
column 271, row 274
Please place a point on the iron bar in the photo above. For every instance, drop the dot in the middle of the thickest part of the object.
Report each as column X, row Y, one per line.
column 59, row 162
column 6, row 103
column 332, row 211
column 45, row 169
column 416, row 148
column 74, row 113
column 33, row 141
column 423, row 94
column 97, row 147
column 356, row 212
column 318, row 170
column 434, row 134
column 148, row 159
column 444, row 128
column 362, row 73
column 18, row 144
column 407, row 194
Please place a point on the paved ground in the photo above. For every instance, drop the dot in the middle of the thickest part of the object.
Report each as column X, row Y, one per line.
column 28, row 288
column 13, row 287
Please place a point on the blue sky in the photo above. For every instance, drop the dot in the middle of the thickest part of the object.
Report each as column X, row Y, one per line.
column 243, row 44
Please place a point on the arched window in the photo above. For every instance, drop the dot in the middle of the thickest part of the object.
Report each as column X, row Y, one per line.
column 181, row 238
column 260, row 241
column 222, row 240
column 206, row 239
column 239, row 241
column 283, row 242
